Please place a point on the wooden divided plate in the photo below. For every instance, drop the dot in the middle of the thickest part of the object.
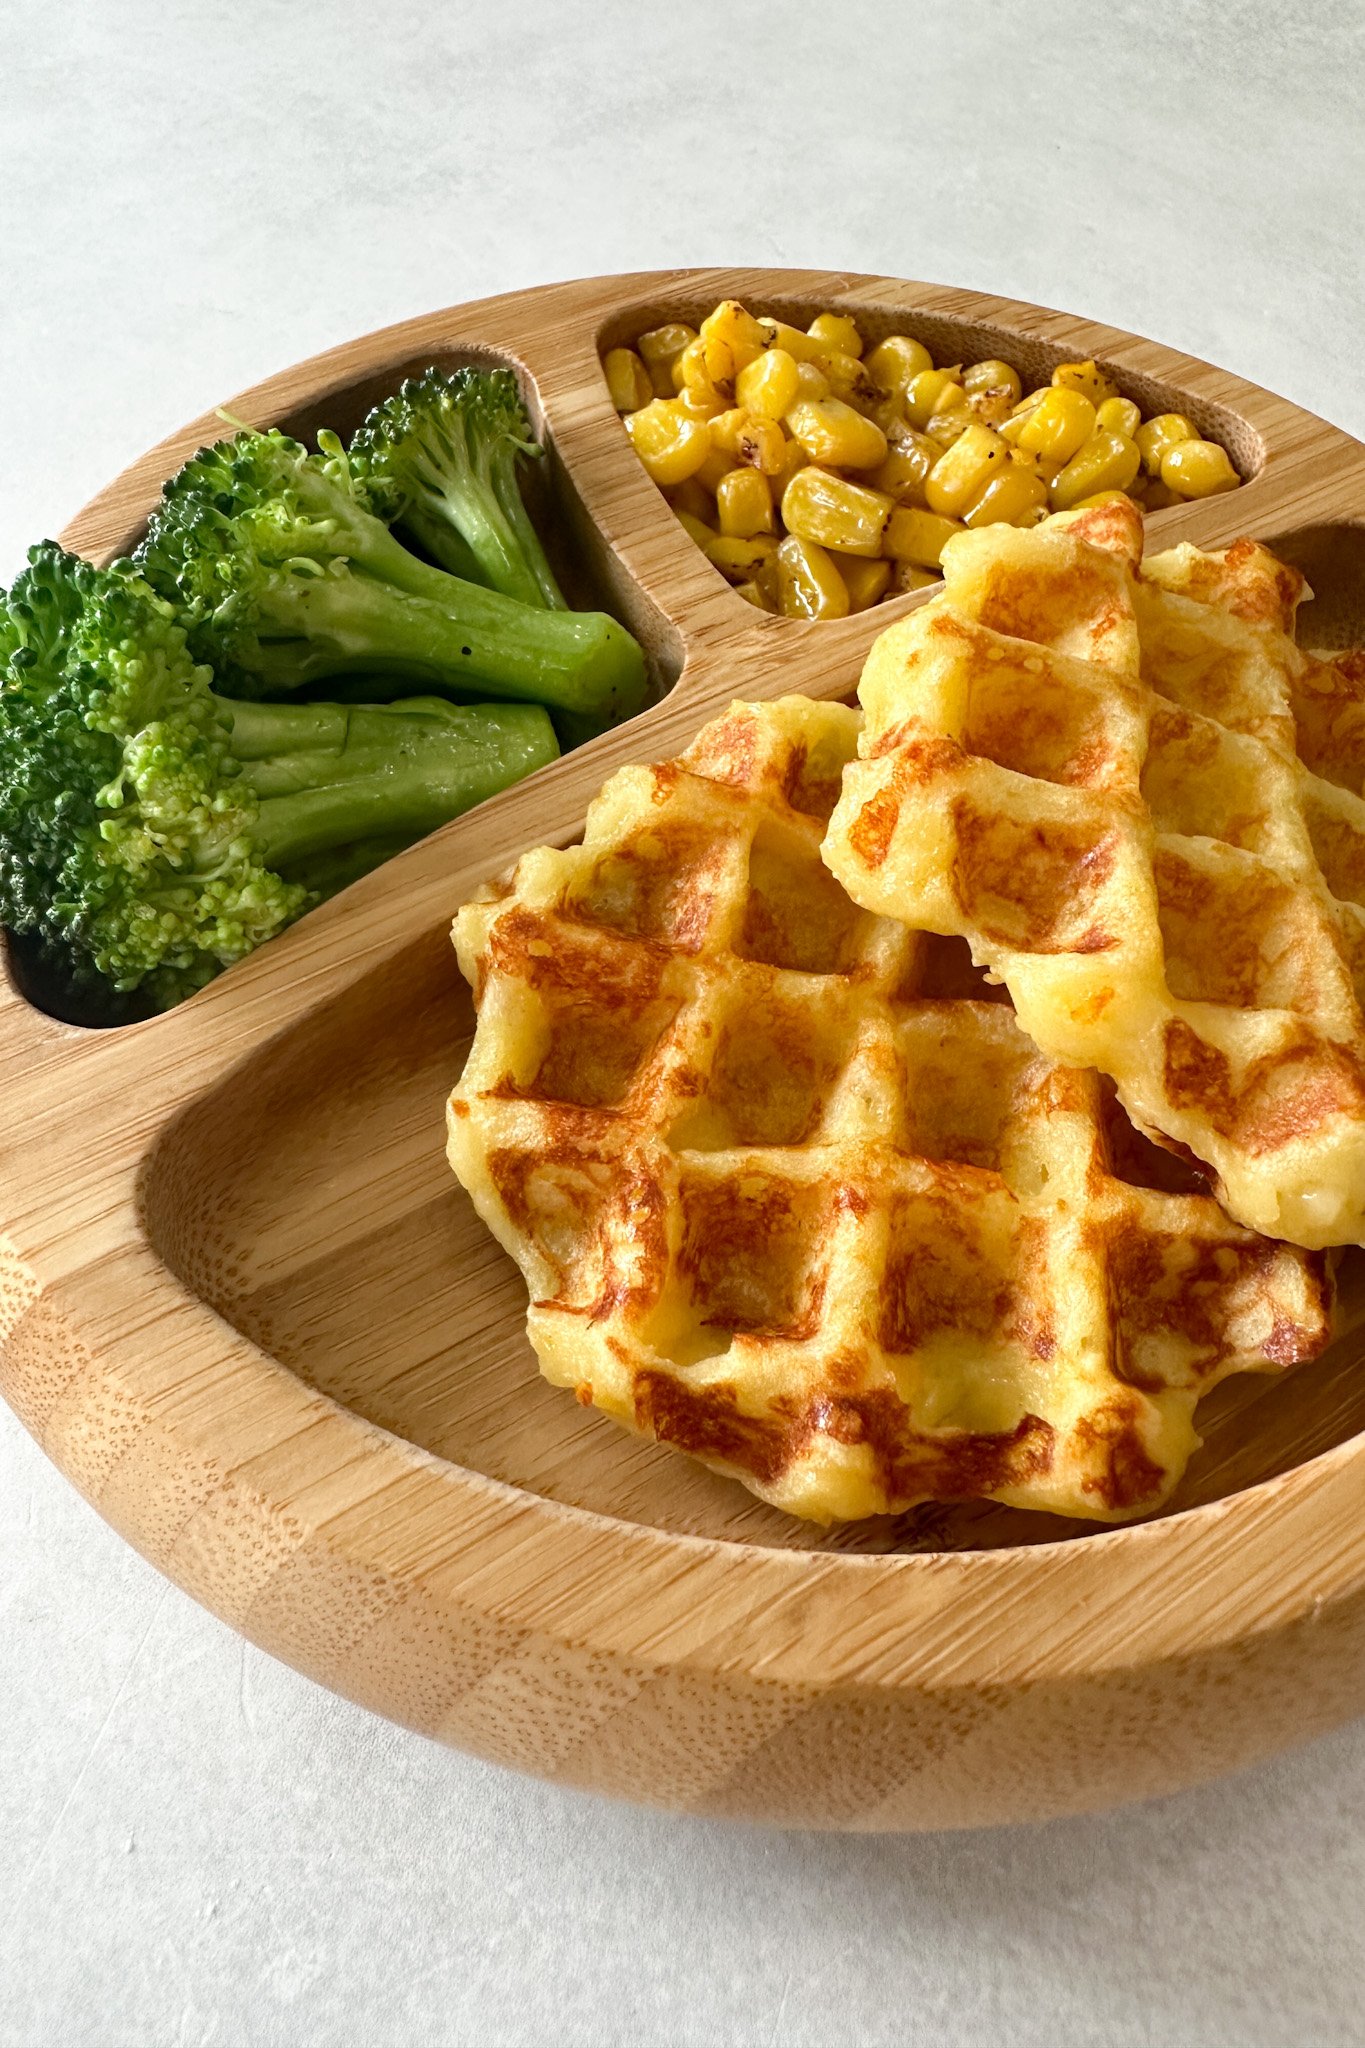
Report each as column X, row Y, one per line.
column 248, row 1311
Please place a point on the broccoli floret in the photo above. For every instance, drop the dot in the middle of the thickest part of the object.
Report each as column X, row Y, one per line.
column 287, row 578
column 440, row 457
column 153, row 831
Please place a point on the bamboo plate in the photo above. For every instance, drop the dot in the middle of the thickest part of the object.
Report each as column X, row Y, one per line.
column 248, row 1312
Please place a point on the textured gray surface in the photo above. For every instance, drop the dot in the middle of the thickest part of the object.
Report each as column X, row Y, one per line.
column 197, row 1846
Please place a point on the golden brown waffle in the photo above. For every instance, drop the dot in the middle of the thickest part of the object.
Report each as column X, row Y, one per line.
column 788, row 1193
column 1094, row 775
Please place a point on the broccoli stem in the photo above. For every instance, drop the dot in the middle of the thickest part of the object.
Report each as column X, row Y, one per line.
column 396, row 616
column 330, row 776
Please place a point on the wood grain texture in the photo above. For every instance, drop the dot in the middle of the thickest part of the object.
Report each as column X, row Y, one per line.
column 246, row 1309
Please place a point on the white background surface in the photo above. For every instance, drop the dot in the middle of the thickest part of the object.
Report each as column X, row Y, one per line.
column 196, row 1845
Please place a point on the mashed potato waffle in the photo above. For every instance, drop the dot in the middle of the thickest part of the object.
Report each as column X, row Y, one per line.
column 792, row 1191
column 1096, row 775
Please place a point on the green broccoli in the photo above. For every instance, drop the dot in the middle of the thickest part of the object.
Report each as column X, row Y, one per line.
column 440, row 458
column 152, row 831
column 286, row 579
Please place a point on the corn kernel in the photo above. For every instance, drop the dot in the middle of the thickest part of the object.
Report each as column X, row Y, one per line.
column 992, row 375
column 924, row 393
column 628, row 380
column 947, row 425
column 991, row 406
column 691, row 495
column 962, row 473
column 919, row 537
column 730, row 339
column 703, row 400
column 744, row 503
column 836, row 330
column 897, row 361
column 739, row 558
column 1086, row 378
column 794, row 457
column 1059, row 424
column 833, row 434
column 1045, row 466
column 690, row 373
column 1014, row 496
column 752, row 594
column 770, row 384
column 865, row 581
column 727, row 427
column 908, row 462
column 905, row 576
column 849, row 380
column 1159, row 433
column 670, row 443
column 715, row 469
column 700, row 532
column 812, row 381
column 748, row 437
column 1198, row 469
column 1106, row 462
column 838, row 514
column 660, row 349
column 809, row 583
column 1118, row 416
column 779, row 335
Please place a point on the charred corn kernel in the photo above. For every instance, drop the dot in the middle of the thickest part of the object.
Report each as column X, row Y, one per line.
column 919, row 537
column 1061, row 422
column 812, row 381
column 692, row 496
column 808, row 582
column 730, row 338
column 829, row 509
column 992, row 375
column 748, row 437
column 1106, row 462
column 744, row 503
column 660, row 349
column 1164, row 430
column 866, row 582
column 691, row 375
column 727, row 427
column 752, row 594
column 628, row 380
column 905, row 576
column 832, row 433
column 1086, row 378
column 897, row 361
column 1014, row 496
column 836, row 331
column 1197, row 469
column 991, row 406
column 849, row 380
column 670, row 443
column 1118, row 416
column 738, row 558
column 960, row 475
column 701, row 533
column 780, row 335
column 715, row 469
column 908, row 462
column 770, row 384
column 924, row 393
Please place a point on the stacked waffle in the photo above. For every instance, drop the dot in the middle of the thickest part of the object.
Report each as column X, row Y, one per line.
column 936, row 1106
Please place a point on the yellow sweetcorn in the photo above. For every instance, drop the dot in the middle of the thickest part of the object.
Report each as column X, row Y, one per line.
column 905, row 576
column 950, row 418
column 794, row 457
column 703, row 400
column 849, row 379
column 1058, row 425
column 715, row 469
column 770, row 384
column 692, row 496
column 897, row 361
column 1086, row 378
column 838, row 514
column 1106, row 462
column 697, row 529
column 836, row 331
column 1158, row 434
column 1198, row 469
column 628, row 380
column 690, row 373
column 660, row 349
column 1015, row 496
column 835, row 435
column 923, row 394
column 670, row 443
column 865, row 581
column 909, row 460
column 992, row 375
column 917, row 536
column 730, row 338
column 812, row 381
column 1118, row 416
column 739, row 558
column 808, row 581
column 780, row 335
column 750, row 438
column 962, row 473
column 744, row 503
